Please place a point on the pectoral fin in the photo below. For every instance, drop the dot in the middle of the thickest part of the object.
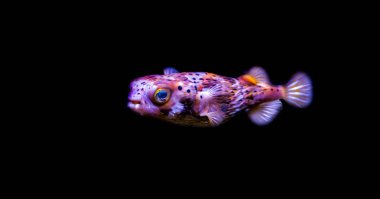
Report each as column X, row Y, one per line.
column 215, row 118
column 209, row 105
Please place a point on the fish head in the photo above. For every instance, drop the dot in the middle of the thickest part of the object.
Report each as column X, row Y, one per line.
column 155, row 96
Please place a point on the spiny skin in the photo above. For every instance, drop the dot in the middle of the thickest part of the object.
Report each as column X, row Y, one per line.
column 188, row 93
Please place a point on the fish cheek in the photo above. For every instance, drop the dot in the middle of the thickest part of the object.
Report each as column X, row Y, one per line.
column 167, row 106
column 173, row 106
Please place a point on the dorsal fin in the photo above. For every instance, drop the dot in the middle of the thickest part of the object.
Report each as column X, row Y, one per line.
column 256, row 75
column 170, row 70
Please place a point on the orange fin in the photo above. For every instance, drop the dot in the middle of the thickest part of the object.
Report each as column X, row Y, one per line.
column 256, row 75
column 249, row 79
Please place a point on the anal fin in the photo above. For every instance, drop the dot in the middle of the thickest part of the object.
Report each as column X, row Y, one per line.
column 265, row 112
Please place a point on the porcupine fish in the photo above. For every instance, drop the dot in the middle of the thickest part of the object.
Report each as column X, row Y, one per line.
column 205, row 99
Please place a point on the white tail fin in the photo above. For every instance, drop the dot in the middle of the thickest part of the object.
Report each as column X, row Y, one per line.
column 299, row 91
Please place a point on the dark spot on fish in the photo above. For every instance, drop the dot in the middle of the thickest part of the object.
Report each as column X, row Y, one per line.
column 188, row 90
column 187, row 106
column 138, row 89
column 179, row 87
column 200, row 78
column 169, row 80
column 138, row 93
column 143, row 83
column 207, row 79
column 197, row 74
column 165, row 111
column 201, row 97
column 142, row 89
column 193, row 78
column 224, row 108
column 240, row 100
column 195, row 87
column 255, row 91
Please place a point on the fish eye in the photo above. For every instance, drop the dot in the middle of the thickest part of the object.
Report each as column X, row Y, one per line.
column 161, row 96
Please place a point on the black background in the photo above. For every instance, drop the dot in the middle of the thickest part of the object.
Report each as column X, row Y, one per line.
column 93, row 52
column 95, row 56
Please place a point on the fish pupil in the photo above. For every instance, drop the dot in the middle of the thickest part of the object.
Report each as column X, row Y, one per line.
column 162, row 94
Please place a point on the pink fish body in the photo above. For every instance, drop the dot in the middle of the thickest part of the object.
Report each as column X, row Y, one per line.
column 206, row 99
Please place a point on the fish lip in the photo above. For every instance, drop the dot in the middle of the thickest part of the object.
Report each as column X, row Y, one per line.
column 136, row 108
column 133, row 106
column 134, row 101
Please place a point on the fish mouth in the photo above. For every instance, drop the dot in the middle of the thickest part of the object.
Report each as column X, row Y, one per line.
column 134, row 104
column 134, row 101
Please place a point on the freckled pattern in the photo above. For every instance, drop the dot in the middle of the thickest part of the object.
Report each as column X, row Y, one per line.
column 233, row 95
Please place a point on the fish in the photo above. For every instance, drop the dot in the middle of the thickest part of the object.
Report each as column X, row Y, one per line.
column 203, row 99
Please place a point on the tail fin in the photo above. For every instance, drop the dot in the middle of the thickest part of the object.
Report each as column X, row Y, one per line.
column 299, row 91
